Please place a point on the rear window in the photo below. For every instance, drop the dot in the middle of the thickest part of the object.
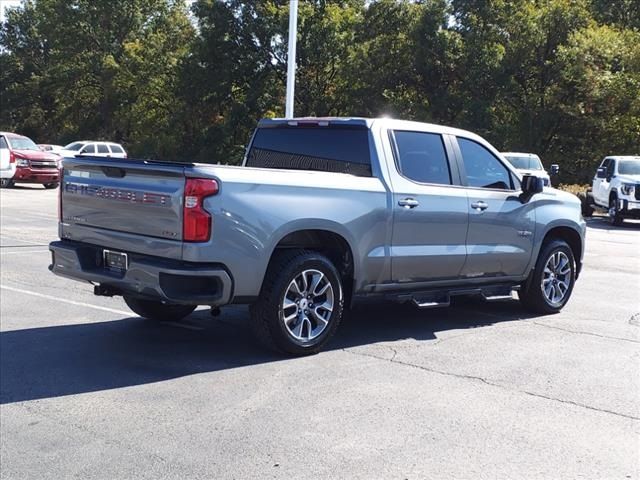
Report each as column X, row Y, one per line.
column 116, row 149
column 74, row 146
column 524, row 162
column 22, row 143
column 327, row 149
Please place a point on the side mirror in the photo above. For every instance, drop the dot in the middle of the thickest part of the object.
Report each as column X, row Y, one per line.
column 601, row 172
column 555, row 169
column 530, row 186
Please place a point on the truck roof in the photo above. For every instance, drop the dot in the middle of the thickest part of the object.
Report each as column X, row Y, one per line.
column 520, row 154
column 365, row 123
column 321, row 121
column 623, row 157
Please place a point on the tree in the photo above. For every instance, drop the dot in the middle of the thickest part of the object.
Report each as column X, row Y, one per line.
column 600, row 104
column 93, row 69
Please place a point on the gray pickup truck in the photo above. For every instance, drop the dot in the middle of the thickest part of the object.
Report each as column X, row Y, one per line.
column 323, row 211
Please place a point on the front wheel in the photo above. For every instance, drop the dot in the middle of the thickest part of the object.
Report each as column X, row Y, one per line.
column 50, row 185
column 549, row 286
column 614, row 213
column 300, row 305
column 155, row 310
column 6, row 183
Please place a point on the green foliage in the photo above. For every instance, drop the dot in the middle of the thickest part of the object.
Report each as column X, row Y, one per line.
column 560, row 78
column 86, row 69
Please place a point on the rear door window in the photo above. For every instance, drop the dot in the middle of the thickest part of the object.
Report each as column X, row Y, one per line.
column 482, row 167
column 327, row 149
column 102, row 148
column 421, row 157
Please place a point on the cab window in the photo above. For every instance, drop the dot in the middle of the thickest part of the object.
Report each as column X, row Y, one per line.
column 482, row 167
column 421, row 157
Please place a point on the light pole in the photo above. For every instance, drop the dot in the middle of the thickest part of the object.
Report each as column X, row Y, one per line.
column 291, row 57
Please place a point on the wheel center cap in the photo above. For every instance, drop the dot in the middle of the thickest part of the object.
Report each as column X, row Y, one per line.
column 304, row 303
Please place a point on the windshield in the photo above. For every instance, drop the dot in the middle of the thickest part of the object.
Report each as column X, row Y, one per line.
column 74, row 146
column 22, row 143
column 629, row 167
column 524, row 162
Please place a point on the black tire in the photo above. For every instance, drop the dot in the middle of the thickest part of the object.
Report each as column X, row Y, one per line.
column 614, row 214
column 156, row 310
column 586, row 206
column 6, row 183
column 50, row 185
column 532, row 295
column 267, row 314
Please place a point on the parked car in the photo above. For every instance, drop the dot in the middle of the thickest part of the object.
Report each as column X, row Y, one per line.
column 615, row 189
column 46, row 147
column 92, row 148
column 323, row 211
column 21, row 161
column 530, row 164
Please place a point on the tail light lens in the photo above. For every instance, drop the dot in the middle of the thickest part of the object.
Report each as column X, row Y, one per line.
column 196, row 221
column 60, row 188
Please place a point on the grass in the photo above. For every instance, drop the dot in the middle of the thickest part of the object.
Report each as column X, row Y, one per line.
column 574, row 188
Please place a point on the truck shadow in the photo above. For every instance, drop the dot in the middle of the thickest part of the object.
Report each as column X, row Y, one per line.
column 602, row 223
column 63, row 360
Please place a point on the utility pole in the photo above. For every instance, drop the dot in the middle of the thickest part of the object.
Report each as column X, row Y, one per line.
column 291, row 57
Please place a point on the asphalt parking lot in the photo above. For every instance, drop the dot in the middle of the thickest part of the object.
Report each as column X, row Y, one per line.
column 88, row 390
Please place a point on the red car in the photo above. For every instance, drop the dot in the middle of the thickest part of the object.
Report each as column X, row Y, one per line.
column 26, row 163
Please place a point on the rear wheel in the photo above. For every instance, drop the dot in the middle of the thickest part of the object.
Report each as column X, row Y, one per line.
column 586, row 203
column 6, row 183
column 51, row 185
column 549, row 286
column 155, row 310
column 300, row 305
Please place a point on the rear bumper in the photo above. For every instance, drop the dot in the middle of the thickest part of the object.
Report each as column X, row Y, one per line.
column 146, row 276
column 36, row 175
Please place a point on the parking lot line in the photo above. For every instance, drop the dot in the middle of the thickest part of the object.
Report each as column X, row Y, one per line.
column 22, row 252
column 64, row 300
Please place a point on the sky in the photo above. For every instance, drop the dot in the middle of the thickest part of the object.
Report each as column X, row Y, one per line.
column 7, row 3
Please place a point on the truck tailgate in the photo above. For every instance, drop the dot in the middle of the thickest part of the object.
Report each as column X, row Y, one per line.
column 128, row 196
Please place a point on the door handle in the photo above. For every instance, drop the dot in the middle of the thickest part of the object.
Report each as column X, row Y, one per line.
column 480, row 206
column 408, row 203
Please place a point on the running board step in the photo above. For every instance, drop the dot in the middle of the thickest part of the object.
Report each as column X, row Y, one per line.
column 432, row 302
column 497, row 294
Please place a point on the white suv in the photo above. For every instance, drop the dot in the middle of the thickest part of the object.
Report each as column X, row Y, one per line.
column 92, row 148
column 530, row 164
column 616, row 188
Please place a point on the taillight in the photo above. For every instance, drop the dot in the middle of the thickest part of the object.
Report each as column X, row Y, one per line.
column 196, row 221
column 60, row 194
column 12, row 157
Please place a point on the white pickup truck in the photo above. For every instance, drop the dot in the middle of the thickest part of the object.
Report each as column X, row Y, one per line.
column 616, row 189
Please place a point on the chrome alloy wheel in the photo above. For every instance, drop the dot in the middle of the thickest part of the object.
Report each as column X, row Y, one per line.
column 556, row 278
column 307, row 305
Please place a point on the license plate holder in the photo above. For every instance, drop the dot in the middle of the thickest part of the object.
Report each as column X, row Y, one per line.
column 115, row 261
